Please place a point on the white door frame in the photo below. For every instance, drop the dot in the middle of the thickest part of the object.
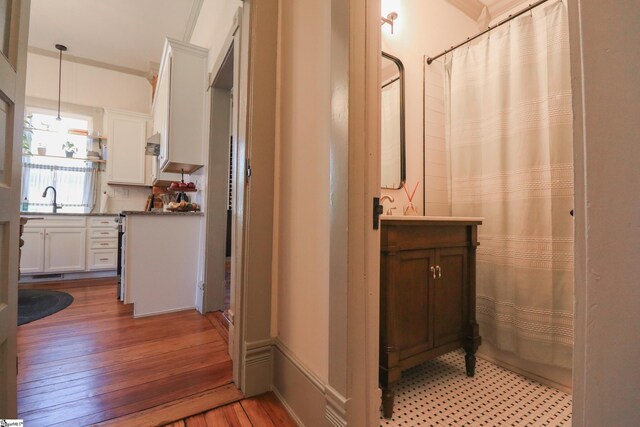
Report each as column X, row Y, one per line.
column 12, row 89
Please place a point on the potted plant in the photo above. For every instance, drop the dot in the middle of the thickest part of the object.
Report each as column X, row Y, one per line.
column 27, row 136
column 69, row 148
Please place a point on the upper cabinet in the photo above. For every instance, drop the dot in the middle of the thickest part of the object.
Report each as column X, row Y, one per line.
column 179, row 107
column 126, row 163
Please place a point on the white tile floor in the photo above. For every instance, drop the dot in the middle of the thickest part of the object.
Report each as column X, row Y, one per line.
column 439, row 393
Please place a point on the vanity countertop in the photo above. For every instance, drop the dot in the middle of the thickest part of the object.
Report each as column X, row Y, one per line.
column 160, row 213
column 441, row 219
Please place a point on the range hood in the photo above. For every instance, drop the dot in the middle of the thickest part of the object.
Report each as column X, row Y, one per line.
column 152, row 148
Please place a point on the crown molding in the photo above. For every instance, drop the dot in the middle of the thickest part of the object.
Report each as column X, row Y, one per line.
column 471, row 8
column 193, row 20
column 86, row 61
column 500, row 7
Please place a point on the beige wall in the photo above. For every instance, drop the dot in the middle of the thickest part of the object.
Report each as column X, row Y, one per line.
column 303, row 187
column 423, row 27
column 86, row 85
column 605, row 64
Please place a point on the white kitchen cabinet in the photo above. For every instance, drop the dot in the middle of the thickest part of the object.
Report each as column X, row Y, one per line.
column 126, row 160
column 32, row 256
column 102, row 243
column 69, row 243
column 179, row 108
column 161, row 262
column 64, row 249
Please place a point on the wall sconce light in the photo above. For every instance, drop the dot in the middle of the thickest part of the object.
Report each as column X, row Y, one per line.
column 389, row 19
column 61, row 48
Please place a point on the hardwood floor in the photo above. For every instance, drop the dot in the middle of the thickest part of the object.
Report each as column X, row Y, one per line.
column 93, row 362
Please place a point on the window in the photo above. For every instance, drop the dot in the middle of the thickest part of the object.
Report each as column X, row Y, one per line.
column 44, row 163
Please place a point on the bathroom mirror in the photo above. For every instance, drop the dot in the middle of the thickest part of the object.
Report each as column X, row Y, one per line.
column 392, row 152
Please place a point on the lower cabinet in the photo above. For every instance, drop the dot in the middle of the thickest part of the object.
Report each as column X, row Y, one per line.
column 427, row 295
column 64, row 249
column 52, row 250
column 67, row 243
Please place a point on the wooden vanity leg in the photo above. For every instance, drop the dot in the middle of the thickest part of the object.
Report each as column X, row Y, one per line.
column 472, row 342
column 387, row 402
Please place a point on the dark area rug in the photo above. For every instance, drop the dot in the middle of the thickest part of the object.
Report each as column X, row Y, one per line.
column 34, row 304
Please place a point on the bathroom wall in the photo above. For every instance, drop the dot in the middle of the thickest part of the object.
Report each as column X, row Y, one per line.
column 423, row 27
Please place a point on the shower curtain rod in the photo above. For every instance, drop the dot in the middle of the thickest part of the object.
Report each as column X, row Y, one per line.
column 507, row 19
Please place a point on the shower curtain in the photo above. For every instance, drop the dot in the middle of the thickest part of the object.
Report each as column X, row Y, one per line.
column 509, row 133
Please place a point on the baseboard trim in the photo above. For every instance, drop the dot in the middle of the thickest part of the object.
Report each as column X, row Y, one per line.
column 336, row 411
column 298, row 388
column 258, row 367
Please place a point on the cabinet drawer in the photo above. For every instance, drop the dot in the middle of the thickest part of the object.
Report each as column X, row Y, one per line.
column 102, row 259
column 103, row 221
column 103, row 233
column 103, row 244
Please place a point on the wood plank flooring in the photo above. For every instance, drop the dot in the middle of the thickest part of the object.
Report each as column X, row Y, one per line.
column 93, row 362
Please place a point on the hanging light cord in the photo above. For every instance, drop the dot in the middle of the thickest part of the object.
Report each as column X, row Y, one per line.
column 61, row 48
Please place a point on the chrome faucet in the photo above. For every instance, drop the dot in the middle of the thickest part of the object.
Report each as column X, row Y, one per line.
column 56, row 206
column 389, row 198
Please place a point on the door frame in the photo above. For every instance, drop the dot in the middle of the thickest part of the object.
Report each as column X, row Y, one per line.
column 220, row 114
column 12, row 86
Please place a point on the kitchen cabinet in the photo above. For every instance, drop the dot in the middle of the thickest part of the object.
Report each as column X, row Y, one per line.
column 64, row 249
column 126, row 160
column 102, row 243
column 179, row 108
column 69, row 243
column 32, row 258
column 53, row 244
column 427, row 294
column 161, row 261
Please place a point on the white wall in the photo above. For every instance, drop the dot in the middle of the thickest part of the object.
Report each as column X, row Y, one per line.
column 605, row 64
column 86, row 85
column 303, row 186
column 423, row 27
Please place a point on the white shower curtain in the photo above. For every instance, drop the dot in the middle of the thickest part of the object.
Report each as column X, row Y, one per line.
column 509, row 131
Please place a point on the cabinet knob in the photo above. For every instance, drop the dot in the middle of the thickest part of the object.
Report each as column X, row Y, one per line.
column 433, row 271
column 439, row 271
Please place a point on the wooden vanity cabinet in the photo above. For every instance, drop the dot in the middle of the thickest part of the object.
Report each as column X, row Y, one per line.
column 427, row 295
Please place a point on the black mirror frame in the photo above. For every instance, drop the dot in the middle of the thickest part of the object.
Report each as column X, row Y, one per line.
column 403, row 166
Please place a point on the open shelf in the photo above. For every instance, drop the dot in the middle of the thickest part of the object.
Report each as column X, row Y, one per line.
column 65, row 157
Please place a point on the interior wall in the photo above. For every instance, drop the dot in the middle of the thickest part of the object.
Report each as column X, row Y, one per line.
column 87, row 90
column 303, row 186
column 423, row 27
column 86, row 85
column 605, row 63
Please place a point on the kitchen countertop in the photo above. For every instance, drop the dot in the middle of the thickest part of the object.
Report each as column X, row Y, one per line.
column 66, row 214
column 161, row 213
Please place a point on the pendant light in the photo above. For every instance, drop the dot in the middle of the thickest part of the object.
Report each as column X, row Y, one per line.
column 61, row 48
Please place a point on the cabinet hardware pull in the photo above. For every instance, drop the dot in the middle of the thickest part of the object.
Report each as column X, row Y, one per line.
column 439, row 271
column 104, row 259
column 104, row 244
column 433, row 271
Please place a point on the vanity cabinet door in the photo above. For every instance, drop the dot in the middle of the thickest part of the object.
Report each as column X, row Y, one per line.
column 451, row 295
column 407, row 287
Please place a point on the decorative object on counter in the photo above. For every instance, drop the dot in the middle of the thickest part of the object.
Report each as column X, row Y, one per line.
column 409, row 209
column 61, row 48
column 69, row 148
column 183, row 206
column 42, row 151
column 182, row 202
column 24, row 207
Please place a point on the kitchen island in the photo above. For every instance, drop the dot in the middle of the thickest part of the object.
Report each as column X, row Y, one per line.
column 160, row 261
